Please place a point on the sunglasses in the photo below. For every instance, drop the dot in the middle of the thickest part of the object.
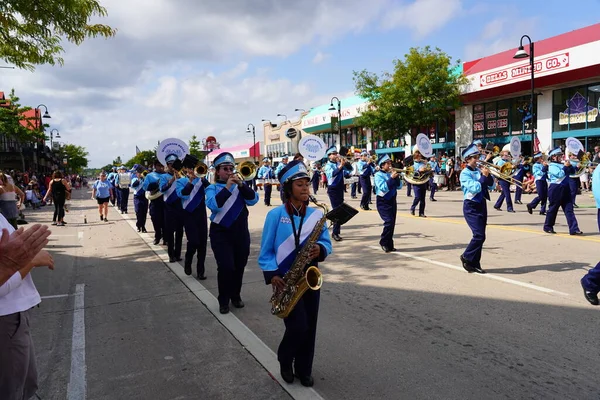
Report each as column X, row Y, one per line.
column 227, row 168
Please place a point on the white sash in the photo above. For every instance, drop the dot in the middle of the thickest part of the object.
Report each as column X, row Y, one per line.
column 289, row 244
column 195, row 190
column 228, row 204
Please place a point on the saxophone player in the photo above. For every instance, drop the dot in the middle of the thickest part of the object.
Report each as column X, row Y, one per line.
column 285, row 232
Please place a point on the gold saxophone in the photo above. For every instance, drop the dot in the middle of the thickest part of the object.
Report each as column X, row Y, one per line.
column 296, row 280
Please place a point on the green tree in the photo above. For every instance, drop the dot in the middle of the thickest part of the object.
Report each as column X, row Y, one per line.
column 142, row 158
column 195, row 148
column 422, row 90
column 117, row 162
column 31, row 32
column 76, row 157
column 19, row 123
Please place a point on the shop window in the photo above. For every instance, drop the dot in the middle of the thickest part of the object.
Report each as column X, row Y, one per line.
column 491, row 118
column 593, row 96
column 520, row 116
column 559, row 106
column 478, row 121
column 502, row 118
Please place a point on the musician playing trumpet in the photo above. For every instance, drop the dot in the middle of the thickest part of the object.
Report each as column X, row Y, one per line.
column 286, row 229
column 387, row 183
column 474, row 184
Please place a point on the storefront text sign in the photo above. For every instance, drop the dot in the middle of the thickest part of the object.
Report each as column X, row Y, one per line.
column 577, row 110
column 543, row 66
column 347, row 113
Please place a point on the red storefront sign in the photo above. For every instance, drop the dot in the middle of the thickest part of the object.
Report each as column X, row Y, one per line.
column 542, row 66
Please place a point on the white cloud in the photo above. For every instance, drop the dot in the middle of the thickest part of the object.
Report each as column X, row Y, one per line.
column 320, row 57
column 498, row 35
column 422, row 17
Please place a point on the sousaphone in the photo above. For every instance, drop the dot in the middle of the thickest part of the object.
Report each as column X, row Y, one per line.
column 424, row 147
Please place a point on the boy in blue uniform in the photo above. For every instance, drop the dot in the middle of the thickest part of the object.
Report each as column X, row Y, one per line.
column 140, row 202
column 387, row 183
column 505, row 186
column 365, row 171
column 173, row 210
column 559, row 194
column 151, row 186
column 228, row 199
column 420, row 190
column 266, row 172
column 285, row 232
column 540, row 174
column 474, row 184
column 191, row 191
column 335, row 172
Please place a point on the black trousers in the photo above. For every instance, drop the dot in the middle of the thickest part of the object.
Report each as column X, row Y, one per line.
column 59, row 208
column 196, row 233
column 231, row 247
column 157, row 215
column 124, row 198
column 298, row 343
column 174, row 228
column 420, row 192
column 268, row 189
column 140, row 206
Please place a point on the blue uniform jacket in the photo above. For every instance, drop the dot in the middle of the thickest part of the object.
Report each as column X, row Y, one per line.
column 596, row 185
column 335, row 175
column 279, row 167
column 539, row 171
column 365, row 169
column 385, row 186
column 277, row 248
column 557, row 172
column 226, row 205
column 137, row 184
column 152, row 181
column 475, row 185
column 169, row 190
column 265, row 172
column 191, row 193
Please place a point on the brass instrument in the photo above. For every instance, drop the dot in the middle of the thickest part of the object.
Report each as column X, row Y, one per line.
column 503, row 172
column 201, row 170
column 417, row 177
column 145, row 173
column 246, row 170
column 297, row 281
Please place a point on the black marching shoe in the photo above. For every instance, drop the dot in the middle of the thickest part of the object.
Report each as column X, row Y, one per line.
column 307, row 381
column 286, row 373
column 422, row 215
column 479, row 270
column 551, row 230
column 432, row 199
column 178, row 258
column 467, row 265
column 529, row 209
column 576, row 233
column 518, row 202
column 238, row 303
column 591, row 297
column 337, row 237
column 164, row 243
column 156, row 242
column 187, row 268
column 542, row 212
column 412, row 212
column 224, row 309
column 497, row 209
column 144, row 230
column 139, row 229
column 171, row 259
column 200, row 274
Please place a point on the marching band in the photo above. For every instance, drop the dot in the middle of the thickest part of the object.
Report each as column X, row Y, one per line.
column 295, row 236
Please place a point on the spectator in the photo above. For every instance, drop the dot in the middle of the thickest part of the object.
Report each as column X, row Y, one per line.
column 9, row 207
column 58, row 190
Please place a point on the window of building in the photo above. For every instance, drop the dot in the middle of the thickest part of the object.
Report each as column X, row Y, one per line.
column 576, row 108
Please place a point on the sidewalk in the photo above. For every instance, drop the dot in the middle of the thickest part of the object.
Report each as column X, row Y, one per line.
column 145, row 335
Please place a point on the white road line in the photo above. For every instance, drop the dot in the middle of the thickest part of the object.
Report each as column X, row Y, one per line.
column 248, row 339
column 77, row 379
column 487, row 276
column 55, row 296
column 79, row 235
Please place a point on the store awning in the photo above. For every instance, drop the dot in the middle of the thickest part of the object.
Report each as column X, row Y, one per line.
column 241, row 151
column 319, row 118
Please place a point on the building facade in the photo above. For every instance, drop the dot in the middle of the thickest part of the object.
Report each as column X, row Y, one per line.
column 281, row 139
column 566, row 87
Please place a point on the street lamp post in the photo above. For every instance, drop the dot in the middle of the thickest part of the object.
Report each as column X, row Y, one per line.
column 520, row 54
column 284, row 116
column 300, row 109
column 253, row 139
column 52, row 136
column 339, row 110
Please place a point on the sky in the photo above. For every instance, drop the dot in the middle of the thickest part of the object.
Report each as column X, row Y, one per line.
column 178, row 68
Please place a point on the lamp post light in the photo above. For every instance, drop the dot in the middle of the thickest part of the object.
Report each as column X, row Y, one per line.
column 253, row 139
column 520, row 54
column 52, row 136
column 284, row 116
column 339, row 110
column 300, row 109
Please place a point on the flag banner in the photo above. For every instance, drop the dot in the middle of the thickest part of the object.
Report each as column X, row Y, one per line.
column 536, row 144
column 137, row 150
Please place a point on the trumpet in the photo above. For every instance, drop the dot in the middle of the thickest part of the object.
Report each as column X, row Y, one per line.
column 145, row 173
column 246, row 171
column 503, row 172
column 200, row 170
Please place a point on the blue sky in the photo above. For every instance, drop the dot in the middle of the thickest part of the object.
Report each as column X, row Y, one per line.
column 183, row 68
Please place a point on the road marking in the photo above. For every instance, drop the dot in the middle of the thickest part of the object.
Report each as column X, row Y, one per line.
column 505, row 228
column 80, row 235
column 487, row 276
column 77, row 381
column 248, row 339
column 55, row 296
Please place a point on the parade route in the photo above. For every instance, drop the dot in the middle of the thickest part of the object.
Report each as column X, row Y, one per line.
column 406, row 325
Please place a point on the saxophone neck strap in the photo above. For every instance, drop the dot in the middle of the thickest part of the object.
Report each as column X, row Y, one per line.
column 302, row 213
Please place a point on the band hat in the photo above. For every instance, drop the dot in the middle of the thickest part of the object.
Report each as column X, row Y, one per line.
column 331, row 150
column 478, row 142
column 538, row 154
column 383, row 159
column 470, row 151
column 556, row 152
column 171, row 158
column 157, row 162
column 266, row 159
column 285, row 156
column 364, row 153
column 224, row 158
column 293, row 171
column 114, row 168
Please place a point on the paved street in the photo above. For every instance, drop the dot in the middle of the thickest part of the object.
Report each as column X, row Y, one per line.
column 405, row 325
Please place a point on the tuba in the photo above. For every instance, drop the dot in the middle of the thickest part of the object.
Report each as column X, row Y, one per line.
column 413, row 177
column 297, row 281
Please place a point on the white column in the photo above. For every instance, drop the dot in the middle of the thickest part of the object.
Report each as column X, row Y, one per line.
column 463, row 127
column 544, row 120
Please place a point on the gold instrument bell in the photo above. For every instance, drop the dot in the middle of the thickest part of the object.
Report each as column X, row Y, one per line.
column 246, row 170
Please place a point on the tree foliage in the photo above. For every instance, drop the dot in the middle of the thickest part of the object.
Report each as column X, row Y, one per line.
column 31, row 32
column 17, row 122
column 142, row 158
column 76, row 157
column 421, row 91
column 196, row 149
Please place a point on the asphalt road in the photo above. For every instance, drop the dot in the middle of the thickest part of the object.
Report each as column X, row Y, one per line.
column 405, row 325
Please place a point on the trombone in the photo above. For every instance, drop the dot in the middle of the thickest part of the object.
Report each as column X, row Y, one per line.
column 503, row 172
column 246, row 171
